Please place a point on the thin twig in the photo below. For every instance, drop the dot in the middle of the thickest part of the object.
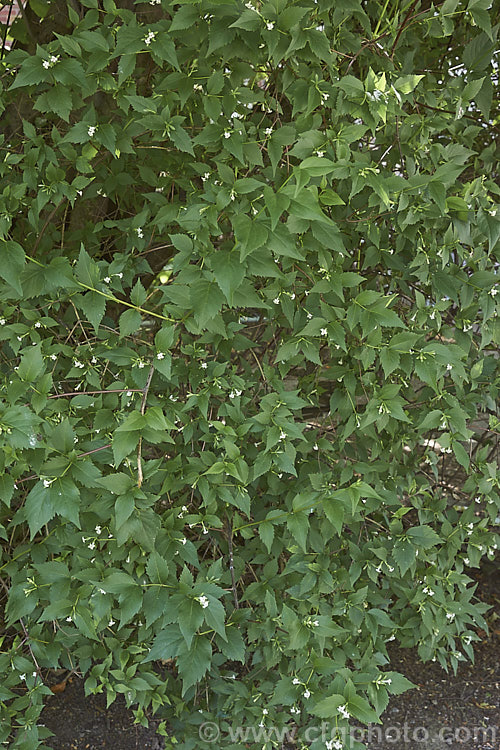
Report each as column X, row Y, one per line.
column 231, row 562
column 145, row 392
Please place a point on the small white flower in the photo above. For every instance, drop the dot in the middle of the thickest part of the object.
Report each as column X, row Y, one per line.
column 54, row 59
column 292, row 296
column 283, row 435
column 203, row 601
column 295, row 681
column 324, row 332
column 494, row 292
column 46, row 64
column 205, row 176
column 111, row 623
column 204, row 365
column 307, row 693
column 2, row 321
column 160, row 355
column 466, row 560
column 139, row 233
column 91, row 545
column 53, row 357
column 265, row 711
column 276, row 300
column 22, row 676
column 343, row 711
column 315, row 447
column 101, row 591
column 98, row 529
column 315, row 623
column 107, row 280
column 77, row 363
column 150, row 37
column 141, row 364
column 268, row 131
column 320, row 154
column 46, row 483
column 294, row 710
column 91, row 130
column 269, row 25
column 449, row 367
column 38, row 324
column 227, row 134
column 450, row 616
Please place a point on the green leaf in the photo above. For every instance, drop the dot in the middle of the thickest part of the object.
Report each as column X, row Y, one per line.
column 327, row 707
column 298, row 525
column 166, row 644
column 31, row 365
column 334, row 511
column 130, row 322
column 423, row 536
column 215, row 617
column 62, row 437
column 39, row 508
column 12, row 255
column 234, row 646
column 361, row 709
column 124, row 507
column 206, row 299
column 229, row 272
column 190, row 617
column 93, row 305
column 193, row 662
column 399, row 683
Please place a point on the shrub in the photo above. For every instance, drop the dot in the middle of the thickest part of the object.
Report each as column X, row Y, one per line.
column 249, row 356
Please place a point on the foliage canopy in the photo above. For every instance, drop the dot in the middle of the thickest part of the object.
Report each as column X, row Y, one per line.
column 249, row 340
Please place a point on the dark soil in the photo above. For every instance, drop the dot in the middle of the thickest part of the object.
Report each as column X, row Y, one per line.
column 445, row 712
column 81, row 723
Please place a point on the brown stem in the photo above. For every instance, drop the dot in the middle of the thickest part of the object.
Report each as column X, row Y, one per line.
column 231, row 562
column 145, row 392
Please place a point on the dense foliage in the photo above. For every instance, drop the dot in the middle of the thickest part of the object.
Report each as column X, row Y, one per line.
column 249, row 331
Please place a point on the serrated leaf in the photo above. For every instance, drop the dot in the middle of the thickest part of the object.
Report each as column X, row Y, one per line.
column 423, row 536
column 130, row 322
column 327, row 707
column 206, row 299
column 194, row 662
column 13, row 259
column 93, row 306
